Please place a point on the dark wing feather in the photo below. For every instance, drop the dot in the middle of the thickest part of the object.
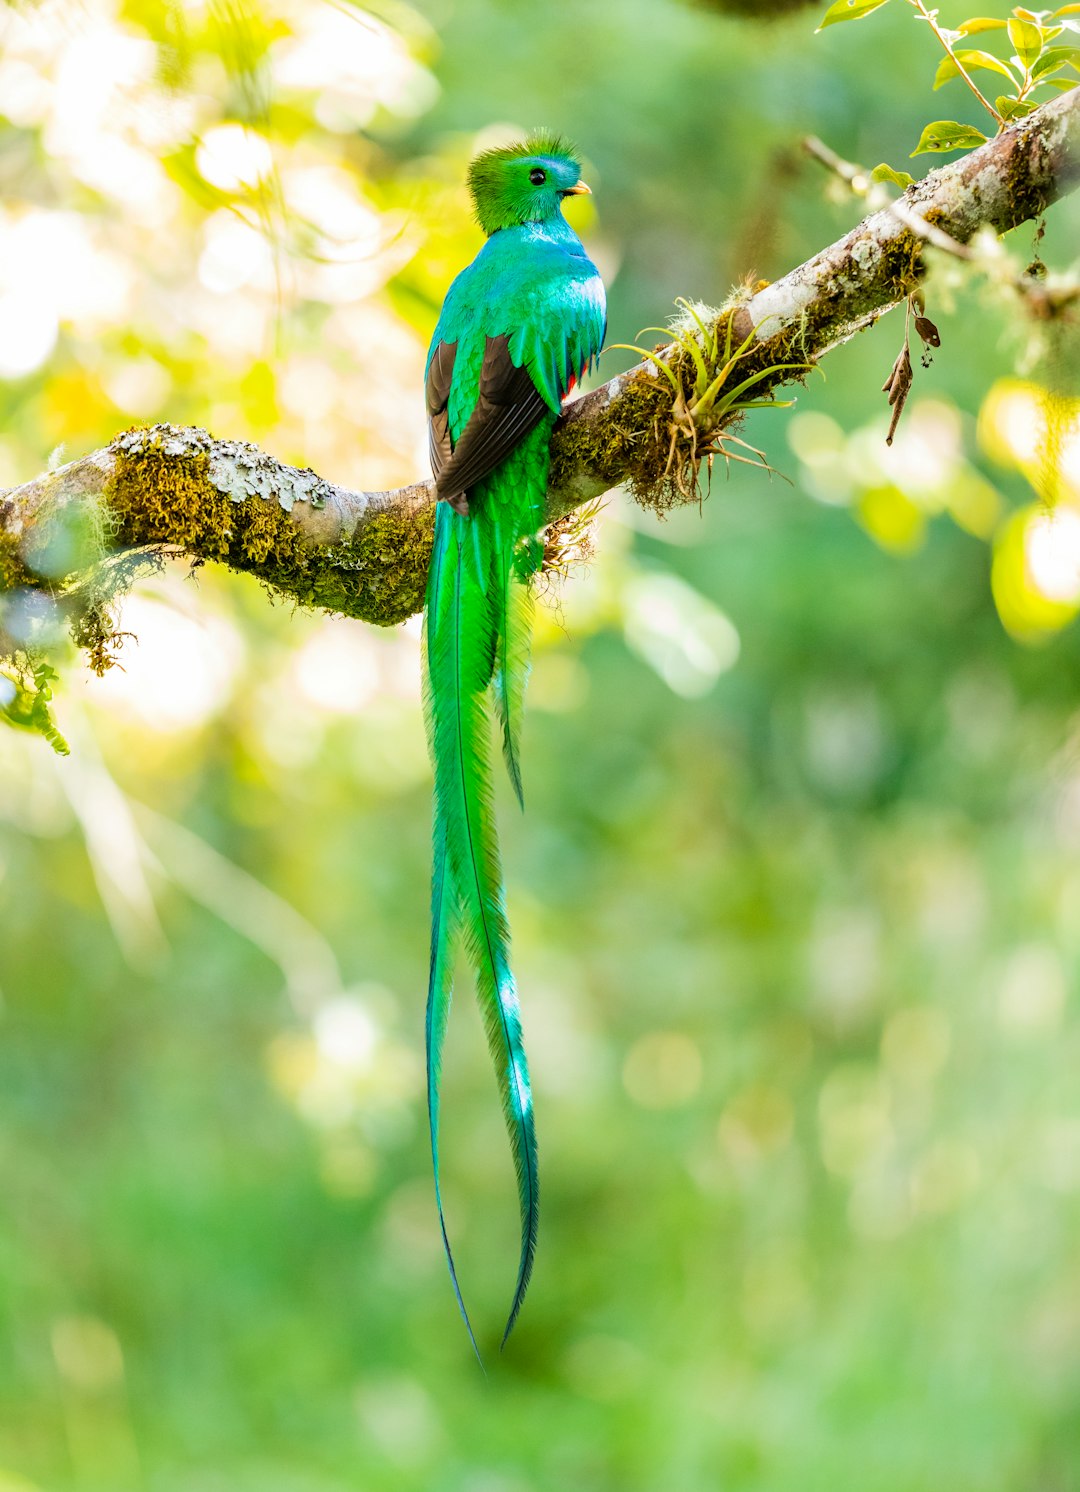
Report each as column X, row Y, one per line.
column 437, row 388
column 508, row 407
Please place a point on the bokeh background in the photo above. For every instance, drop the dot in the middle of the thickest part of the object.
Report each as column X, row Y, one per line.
column 797, row 898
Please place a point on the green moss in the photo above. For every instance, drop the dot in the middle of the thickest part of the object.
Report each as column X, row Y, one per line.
column 627, row 442
column 1028, row 192
column 901, row 261
column 162, row 494
column 655, row 440
column 13, row 568
column 168, row 500
column 793, row 343
column 385, row 566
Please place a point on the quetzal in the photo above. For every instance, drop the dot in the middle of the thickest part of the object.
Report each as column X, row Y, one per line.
column 518, row 327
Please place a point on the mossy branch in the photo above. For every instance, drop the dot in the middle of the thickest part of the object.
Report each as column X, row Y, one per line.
column 365, row 554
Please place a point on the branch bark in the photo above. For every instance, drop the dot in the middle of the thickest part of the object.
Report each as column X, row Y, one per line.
column 365, row 553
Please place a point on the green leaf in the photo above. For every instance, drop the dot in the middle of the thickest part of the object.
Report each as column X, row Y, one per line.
column 980, row 23
column 1035, row 17
column 1055, row 57
column 1014, row 108
column 946, row 134
column 1064, row 85
column 25, row 694
column 885, row 172
column 951, row 66
column 849, row 10
column 986, row 60
column 1026, row 38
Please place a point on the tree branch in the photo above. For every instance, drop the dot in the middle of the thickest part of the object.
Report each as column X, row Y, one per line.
column 365, row 553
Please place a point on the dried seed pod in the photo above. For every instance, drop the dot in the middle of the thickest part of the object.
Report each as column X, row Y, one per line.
column 898, row 386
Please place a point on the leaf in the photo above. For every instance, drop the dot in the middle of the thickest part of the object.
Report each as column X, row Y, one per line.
column 1014, row 108
column 1064, row 85
column 986, row 60
column 24, row 702
column 1026, row 38
column 952, row 65
column 1055, row 57
column 849, row 10
column 980, row 23
column 1068, row 10
column 885, row 172
column 1035, row 17
column 927, row 331
column 946, row 134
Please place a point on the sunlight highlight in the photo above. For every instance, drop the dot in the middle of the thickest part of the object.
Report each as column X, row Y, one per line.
column 679, row 633
column 233, row 158
column 345, row 1033
column 354, row 64
column 180, row 671
column 1036, row 571
column 1052, row 548
column 28, row 333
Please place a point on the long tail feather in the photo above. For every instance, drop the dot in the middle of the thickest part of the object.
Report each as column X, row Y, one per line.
column 444, row 918
column 512, row 669
column 464, row 622
column 444, row 931
column 517, row 557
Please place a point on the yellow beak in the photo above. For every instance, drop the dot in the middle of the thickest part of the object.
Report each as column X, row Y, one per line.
column 581, row 190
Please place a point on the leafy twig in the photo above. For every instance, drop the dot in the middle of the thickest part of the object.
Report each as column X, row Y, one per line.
column 930, row 17
column 1045, row 302
column 871, row 185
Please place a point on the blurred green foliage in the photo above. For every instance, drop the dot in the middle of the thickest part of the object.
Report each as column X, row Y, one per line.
column 796, row 901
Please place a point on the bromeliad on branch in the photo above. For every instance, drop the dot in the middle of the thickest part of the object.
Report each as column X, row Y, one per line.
column 519, row 326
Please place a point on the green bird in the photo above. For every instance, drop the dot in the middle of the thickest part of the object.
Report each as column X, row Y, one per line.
column 519, row 326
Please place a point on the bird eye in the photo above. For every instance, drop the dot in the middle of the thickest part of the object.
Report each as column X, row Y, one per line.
column 537, row 177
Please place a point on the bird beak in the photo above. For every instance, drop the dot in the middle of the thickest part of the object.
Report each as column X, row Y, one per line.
column 581, row 190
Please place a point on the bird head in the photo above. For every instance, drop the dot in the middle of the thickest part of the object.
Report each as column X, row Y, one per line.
column 524, row 183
